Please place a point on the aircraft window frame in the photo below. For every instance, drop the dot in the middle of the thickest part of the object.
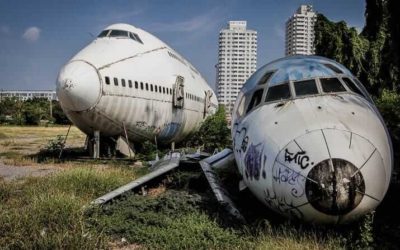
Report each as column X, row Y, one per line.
column 119, row 34
column 141, row 86
column 147, row 86
column 241, row 106
column 330, row 78
column 151, row 87
column 163, row 90
column 136, row 85
column 130, row 83
column 107, row 80
column 123, row 83
column 266, row 77
column 353, row 84
column 115, row 81
column 101, row 35
column 305, row 94
column 363, row 89
column 254, row 103
column 281, row 99
column 137, row 37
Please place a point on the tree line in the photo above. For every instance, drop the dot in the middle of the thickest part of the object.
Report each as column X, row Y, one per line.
column 373, row 56
column 31, row 112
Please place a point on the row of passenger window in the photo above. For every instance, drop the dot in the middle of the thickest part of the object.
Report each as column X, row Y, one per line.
column 139, row 85
column 148, row 87
column 300, row 89
column 194, row 97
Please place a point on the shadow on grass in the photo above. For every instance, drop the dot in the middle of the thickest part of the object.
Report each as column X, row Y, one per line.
column 76, row 155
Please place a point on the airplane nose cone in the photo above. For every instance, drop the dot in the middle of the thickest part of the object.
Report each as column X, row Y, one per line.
column 327, row 176
column 335, row 187
column 78, row 86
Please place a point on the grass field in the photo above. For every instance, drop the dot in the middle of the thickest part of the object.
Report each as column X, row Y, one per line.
column 53, row 211
column 19, row 145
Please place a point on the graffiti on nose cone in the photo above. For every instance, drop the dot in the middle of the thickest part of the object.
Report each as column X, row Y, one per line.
column 300, row 158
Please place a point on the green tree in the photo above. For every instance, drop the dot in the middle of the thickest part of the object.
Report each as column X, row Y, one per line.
column 59, row 115
column 373, row 56
column 213, row 133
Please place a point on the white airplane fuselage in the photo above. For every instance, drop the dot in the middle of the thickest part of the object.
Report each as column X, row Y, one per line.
column 128, row 81
column 321, row 153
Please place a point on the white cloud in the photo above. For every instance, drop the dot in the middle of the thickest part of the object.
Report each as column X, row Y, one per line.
column 31, row 34
column 202, row 22
column 4, row 29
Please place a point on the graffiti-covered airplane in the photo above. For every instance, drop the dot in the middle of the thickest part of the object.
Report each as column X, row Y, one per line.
column 309, row 142
column 129, row 84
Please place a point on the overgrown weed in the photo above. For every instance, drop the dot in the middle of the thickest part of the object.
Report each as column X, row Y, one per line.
column 47, row 212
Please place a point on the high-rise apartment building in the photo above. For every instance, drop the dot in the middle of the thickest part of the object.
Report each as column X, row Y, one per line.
column 300, row 32
column 237, row 60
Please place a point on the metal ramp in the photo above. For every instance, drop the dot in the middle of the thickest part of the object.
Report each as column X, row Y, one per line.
column 221, row 160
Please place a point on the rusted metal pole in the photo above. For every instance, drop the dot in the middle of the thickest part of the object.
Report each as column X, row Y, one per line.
column 65, row 140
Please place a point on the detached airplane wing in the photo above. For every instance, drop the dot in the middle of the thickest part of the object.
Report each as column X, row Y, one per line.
column 162, row 167
column 220, row 160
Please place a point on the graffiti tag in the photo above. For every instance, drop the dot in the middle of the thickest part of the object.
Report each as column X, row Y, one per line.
column 292, row 178
column 252, row 161
column 300, row 158
column 281, row 205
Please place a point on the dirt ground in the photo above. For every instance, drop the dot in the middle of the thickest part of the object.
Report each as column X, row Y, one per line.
column 9, row 173
column 19, row 144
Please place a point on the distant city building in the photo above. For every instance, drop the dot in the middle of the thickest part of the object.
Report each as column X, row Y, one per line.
column 24, row 95
column 237, row 60
column 300, row 32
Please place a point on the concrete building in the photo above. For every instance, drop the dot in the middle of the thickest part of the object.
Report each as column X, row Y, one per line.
column 300, row 32
column 24, row 95
column 237, row 60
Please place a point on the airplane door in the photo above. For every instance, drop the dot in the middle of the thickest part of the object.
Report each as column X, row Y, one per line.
column 179, row 92
column 207, row 102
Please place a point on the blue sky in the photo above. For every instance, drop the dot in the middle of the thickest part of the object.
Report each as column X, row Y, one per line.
column 38, row 37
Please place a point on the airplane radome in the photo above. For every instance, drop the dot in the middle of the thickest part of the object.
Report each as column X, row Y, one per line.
column 309, row 142
column 129, row 84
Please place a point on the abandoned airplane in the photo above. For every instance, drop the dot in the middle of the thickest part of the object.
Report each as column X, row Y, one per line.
column 308, row 142
column 130, row 85
column 322, row 153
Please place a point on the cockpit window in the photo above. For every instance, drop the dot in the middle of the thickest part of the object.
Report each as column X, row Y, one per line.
column 135, row 37
column 330, row 85
column 265, row 78
column 255, row 100
column 104, row 33
column 308, row 87
column 240, row 108
column 278, row 92
column 352, row 85
column 118, row 33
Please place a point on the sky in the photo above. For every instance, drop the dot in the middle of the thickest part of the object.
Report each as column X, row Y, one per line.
column 38, row 37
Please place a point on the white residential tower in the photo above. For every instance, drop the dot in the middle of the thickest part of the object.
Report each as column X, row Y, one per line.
column 300, row 32
column 237, row 60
